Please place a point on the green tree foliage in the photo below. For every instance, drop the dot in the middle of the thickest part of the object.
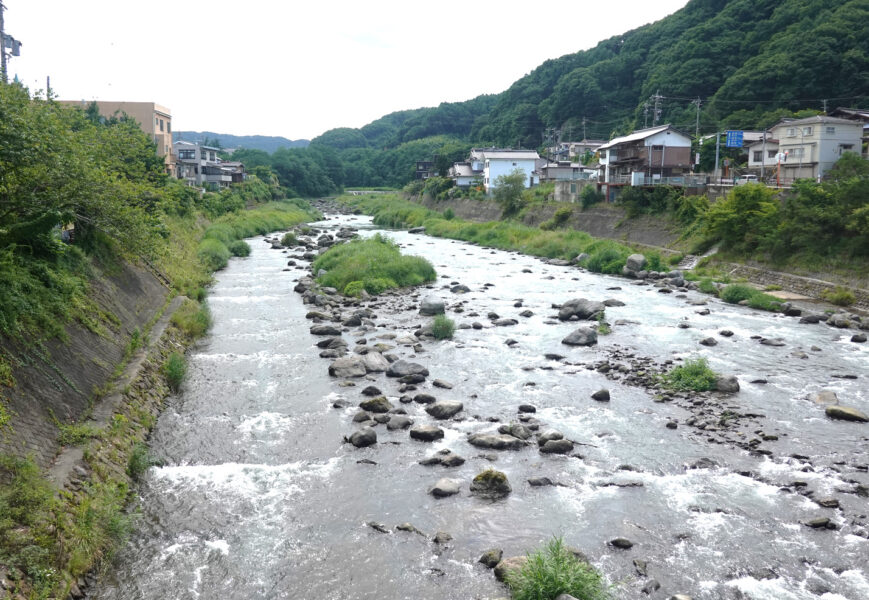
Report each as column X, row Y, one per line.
column 745, row 219
column 508, row 192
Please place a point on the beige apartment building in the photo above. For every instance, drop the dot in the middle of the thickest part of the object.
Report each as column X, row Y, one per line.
column 808, row 148
column 155, row 121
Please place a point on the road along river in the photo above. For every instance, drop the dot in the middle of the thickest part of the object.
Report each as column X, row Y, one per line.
column 260, row 497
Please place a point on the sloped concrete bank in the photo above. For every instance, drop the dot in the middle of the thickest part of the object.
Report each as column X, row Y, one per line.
column 57, row 382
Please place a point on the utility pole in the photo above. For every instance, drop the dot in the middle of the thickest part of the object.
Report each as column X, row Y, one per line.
column 717, row 144
column 584, row 136
column 2, row 47
column 645, row 115
column 657, row 112
column 825, row 106
column 763, row 159
column 697, row 124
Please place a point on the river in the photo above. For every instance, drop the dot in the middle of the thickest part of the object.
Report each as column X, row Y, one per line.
column 260, row 498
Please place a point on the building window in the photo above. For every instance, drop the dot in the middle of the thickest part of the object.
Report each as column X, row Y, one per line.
column 771, row 153
column 792, row 132
column 846, row 148
column 757, row 156
column 797, row 152
column 831, row 131
column 161, row 124
column 572, row 188
column 187, row 154
column 156, row 121
column 657, row 148
column 169, row 126
column 807, row 130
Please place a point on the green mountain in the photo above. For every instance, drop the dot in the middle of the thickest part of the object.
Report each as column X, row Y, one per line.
column 267, row 143
column 748, row 61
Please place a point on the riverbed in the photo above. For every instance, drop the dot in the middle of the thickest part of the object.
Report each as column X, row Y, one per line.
column 260, row 497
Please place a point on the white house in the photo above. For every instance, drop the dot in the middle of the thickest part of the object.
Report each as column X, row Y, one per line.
column 654, row 153
column 813, row 145
column 762, row 155
column 488, row 164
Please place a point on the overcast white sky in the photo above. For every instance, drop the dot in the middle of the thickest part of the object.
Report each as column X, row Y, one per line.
column 295, row 68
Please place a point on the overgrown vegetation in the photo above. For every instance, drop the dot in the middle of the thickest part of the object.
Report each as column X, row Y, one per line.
column 377, row 262
column 555, row 570
column 443, row 328
column 175, row 368
column 139, row 461
column 694, row 375
column 839, row 296
column 736, row 293
column 192, row 317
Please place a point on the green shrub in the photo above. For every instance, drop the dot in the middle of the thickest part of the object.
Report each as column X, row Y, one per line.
column 675, row 259
column 694, row 375
column 590, row 196
column 736, row 293
column 555, row 570
column 289, row 240
column 140, row 460
column 354, row 289
column 175, row 368
column 75, row 434
column 606, row 260
column 376, row 261
column 194, row 318
column 239, row 248
column 443, row 327
column 213, row 254
column 449, row 214
column 840, row 296
column 707, row 286
column 97, row 526
column 761, row 301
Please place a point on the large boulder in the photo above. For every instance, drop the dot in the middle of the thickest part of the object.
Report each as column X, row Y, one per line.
column 846, row 413
column 508, row 565
column 399, row 422
column 727, row 383
column 490, row 484
column 325, row 330
column 403, row 368
column 495, row 442
column 426, row 433
column 584, row 336
column 580, row 308
column 376, row 405
column 445, row 487
column 444, row 409
column 635, row 262
column 431, row 306
column 364, row 437
column 374, row 362
column 557, row 447
column 347, row 366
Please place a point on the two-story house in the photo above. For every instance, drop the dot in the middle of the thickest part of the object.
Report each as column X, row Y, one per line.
column 488, row 164
column 200, row 166
column 811, row 146
column 153, row 119
column 650, row 155
column 576, row 150
column 860, row 115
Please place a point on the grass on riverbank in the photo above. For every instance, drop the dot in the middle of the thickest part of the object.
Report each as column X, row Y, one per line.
column 555, row 570
column 376, row 262
column 694, row 375
column 605, row 256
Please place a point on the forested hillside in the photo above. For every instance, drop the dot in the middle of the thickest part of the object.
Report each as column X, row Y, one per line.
column 267, row 143
column 747, row 61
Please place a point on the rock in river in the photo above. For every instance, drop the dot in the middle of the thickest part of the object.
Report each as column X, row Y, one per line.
column 431, row 305
column 580, row 308
column 347, row 366
column 444, row 409
column 513, row 563
column 364, row 437
column 727, row 383
column 584, row 336
column 374, row 362
column 495, row 442
column 325, row 330
column 492, row 557
column 846, row 413
column 403, row 368
column 445, row 487
column 376, row 405
column 557, row 447
column 426, row 433
column 491, row 484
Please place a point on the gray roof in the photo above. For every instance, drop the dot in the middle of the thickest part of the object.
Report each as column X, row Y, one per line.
column 640, row 134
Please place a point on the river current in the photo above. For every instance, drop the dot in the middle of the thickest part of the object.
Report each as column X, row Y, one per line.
column 260, row 498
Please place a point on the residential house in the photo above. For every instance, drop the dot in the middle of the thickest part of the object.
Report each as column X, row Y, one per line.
column 646, row 157
column 576, row 150
column 565, row 171
column 155, row 121
column 425, row 169
column 812, row 146
column 464, row 175
column 762, row 156
column 856, row 114
column 490, row 163
column 200, row 166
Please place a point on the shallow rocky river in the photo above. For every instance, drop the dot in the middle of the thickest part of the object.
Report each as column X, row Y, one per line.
column 260, row 497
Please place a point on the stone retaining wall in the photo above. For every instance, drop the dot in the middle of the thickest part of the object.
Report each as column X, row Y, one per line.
column 794, row 283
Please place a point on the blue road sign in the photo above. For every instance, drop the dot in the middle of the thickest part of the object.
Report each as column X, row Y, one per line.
column 734, row 139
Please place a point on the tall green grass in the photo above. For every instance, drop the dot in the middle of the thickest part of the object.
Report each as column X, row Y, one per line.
column 694, row 375
column 376, row 262
column 736, row 293
column 555, row 570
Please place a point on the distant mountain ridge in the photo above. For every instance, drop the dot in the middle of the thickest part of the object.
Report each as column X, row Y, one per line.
column 267, row 143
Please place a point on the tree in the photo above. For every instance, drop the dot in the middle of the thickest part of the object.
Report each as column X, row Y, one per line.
column 508, row 192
